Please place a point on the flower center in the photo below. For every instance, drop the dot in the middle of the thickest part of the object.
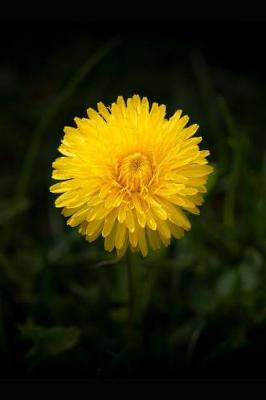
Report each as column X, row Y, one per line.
column 134, row 172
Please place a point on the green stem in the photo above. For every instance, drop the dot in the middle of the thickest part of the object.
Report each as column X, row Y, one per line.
column 130, row 289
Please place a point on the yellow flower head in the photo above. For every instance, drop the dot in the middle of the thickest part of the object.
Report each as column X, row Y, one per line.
column 128, row 172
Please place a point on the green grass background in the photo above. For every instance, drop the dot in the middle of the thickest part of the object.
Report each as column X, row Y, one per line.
column 199, row 305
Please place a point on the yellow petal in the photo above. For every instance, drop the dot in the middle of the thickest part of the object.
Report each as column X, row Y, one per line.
column 151, row 220
column 120, row 235
column 122, row 212
column 109, row 223
column 154, row 239
column 133, row 238
column 122, row 251
column 190, row 131
column 195, row 171
column 103, row 111
column 165, row 241
column 142, row 241
column 78, row 217
column 141, row 217
column 163, row 228
column 130, row 223
column 93, row 233
column 176, row 231
column 93, row 227
column 83, row 227
column 176, row 215
column 157, row 209
column 109, row 242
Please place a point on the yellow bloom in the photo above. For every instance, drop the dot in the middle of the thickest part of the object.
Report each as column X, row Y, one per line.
column 128, row 173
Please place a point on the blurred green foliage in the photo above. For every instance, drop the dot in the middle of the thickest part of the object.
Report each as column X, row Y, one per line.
column 199, row 305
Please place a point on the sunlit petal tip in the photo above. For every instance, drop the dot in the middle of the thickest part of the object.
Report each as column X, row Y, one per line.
column 77, row 120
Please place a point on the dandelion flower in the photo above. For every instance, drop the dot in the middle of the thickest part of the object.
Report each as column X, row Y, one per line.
column 130, row 174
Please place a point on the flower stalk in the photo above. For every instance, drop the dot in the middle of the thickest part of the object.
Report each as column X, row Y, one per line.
column 130, row 287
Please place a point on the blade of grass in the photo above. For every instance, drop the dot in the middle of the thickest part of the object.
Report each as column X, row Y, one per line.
column 208, row 99
column 54, row 108
column 233, row 178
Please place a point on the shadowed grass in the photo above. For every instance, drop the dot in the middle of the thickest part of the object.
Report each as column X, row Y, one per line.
column 45, row 121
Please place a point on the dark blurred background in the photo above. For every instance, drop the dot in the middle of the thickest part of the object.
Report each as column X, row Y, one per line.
column 200, row 305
